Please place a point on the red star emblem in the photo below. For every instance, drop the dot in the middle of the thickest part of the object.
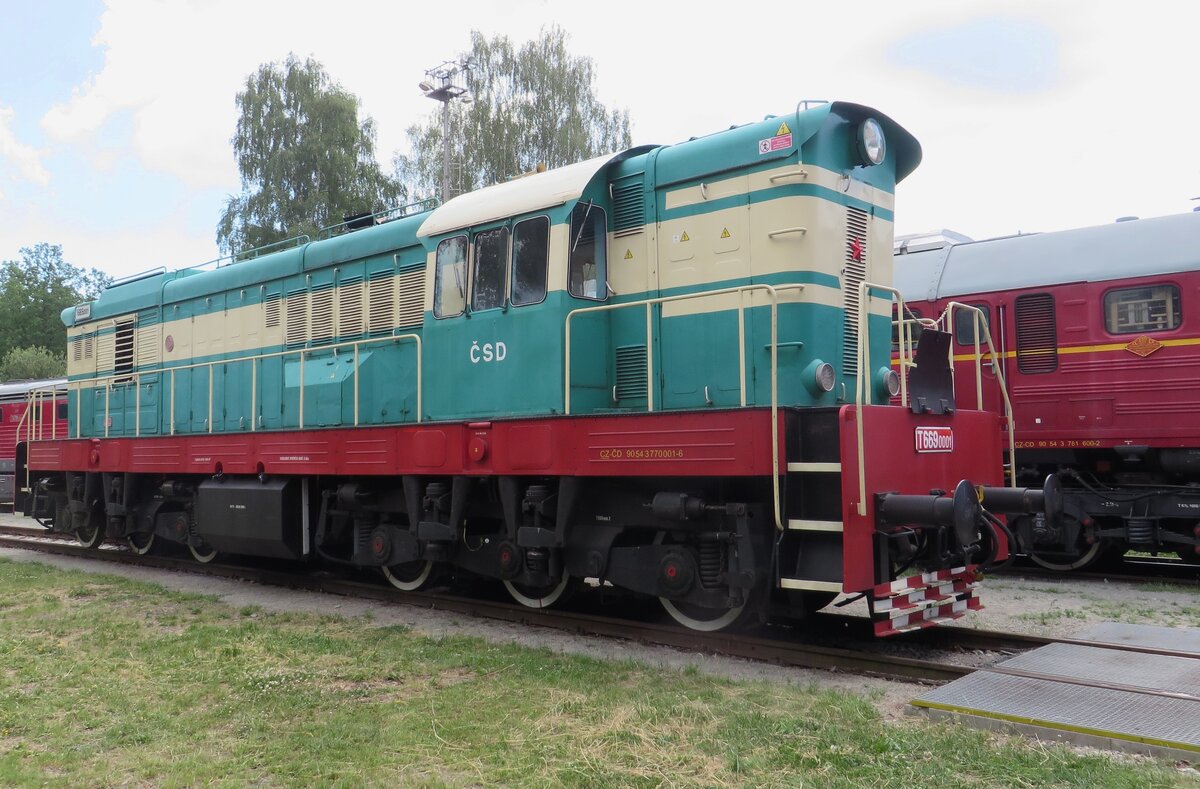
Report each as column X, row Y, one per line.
column 856, row 249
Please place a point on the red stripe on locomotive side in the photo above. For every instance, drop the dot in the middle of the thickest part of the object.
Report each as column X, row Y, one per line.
column 713, row 443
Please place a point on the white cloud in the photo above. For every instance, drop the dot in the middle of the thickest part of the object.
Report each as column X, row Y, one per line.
column 25, row 158
column 1109, row 136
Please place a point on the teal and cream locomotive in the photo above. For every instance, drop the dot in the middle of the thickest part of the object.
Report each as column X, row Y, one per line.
column 665, row 371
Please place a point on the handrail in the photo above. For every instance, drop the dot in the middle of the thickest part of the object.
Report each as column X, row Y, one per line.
column 110, row 381
column 980, row 318
column 771, row 290
column 400, row 211
column 862, row 387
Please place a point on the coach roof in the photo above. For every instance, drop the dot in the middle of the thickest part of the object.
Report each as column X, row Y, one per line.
column 1133, row 248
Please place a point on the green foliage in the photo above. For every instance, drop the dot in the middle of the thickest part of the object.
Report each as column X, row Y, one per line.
column 306, row 160
column 533, row 105
column 32, row 363
column 33, row 293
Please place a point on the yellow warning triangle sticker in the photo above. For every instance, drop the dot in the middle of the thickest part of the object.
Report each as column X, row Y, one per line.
column 684, row 237
column 629, row 254
column 725, row 233
column 783, row 129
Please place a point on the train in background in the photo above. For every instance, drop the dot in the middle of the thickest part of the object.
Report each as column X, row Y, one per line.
column 664, row 371
column 15, row 424
column 1099, row 340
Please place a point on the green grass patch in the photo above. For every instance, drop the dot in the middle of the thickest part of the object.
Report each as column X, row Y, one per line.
column 106, row 681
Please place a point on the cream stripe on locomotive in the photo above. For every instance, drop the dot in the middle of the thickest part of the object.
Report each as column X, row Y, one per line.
column 787, row 175
column 351, row 310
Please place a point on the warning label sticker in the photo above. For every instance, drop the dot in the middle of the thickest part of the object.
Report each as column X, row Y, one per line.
column 780, row 142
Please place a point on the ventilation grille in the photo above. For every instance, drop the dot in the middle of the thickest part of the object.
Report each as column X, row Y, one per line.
column 123, row 350
column 104, row 350
column 381, row 302
column 321, row 314
column 629, row 207
column 77, row 349
column 854, row 271
column 350, row 308
column 148, row 344
column 412, row 298
column 271, row 311
column 631, row 372
column 296, row 331
column 1037, row 343
column 87, row 346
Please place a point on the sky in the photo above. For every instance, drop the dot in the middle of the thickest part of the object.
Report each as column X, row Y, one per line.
column 116, row 115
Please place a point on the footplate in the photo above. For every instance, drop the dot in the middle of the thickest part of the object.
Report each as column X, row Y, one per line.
column 924, row 600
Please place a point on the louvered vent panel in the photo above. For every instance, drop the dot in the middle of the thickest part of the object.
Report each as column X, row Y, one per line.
column 296, row 331
column 77, row 349
column 271, row 311
column 88, row 344
column 381, row 302
column 854, row 271
column 631, row 371
column 321, row 314
column 123, row 348
column 148, row 343
column 350, row 308
column 1037, row 341
column 411, row 285
column 629, row 207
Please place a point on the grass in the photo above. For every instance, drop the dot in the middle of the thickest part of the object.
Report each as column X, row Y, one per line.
column 106, row 681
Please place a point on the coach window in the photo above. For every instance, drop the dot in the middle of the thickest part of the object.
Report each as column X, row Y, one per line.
column 587, row 273
column 530, row 254
column 964, row 326
column 450, row 278
column 491, row 266
column 1153, row 308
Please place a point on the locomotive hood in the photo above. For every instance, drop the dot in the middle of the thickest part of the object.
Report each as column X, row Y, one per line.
column 520, row 195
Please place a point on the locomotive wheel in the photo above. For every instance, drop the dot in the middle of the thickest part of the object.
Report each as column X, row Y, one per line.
column 1066, row 562
column 695, row 617
column 91, row 535
column 140, row 542
column 204, row 554
column 538, row 596
column 409, row 576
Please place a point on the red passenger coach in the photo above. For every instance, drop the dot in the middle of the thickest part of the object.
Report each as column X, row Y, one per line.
column 15, row 426
column 1098, row 333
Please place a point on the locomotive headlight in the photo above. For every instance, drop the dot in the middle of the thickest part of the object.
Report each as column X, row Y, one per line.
column 819, row 377
column 872, row 146
column 887, row 383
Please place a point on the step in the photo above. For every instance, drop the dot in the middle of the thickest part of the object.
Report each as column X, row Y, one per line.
column 810, row 525
column 816, row 468
column 803, row 584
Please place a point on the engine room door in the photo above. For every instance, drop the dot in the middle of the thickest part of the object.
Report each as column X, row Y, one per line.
column 703, row 244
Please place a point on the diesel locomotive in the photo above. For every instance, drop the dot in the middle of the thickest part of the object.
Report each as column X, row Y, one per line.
column 1099, row 336
column 663, row 371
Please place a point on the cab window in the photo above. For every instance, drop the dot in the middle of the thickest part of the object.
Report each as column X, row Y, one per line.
column 915, row 329
column 1154, row 308
column 964, row 326
column 587, row 263
column 530, row 255
column 450, row 278
column 491, row 265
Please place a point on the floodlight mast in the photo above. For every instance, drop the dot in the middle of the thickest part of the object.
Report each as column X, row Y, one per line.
column 439, row 85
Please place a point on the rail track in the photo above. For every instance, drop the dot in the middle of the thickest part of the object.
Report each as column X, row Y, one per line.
column 1136, row 570
column 827, row 641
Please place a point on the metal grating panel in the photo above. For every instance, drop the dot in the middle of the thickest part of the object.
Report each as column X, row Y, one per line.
column 411, row 285
column 321, row 314
column 629, row 207
column 1037, row 345
column 271, row 311
column 854, row 272
column 296, row 306
column 381, row 302
column 350, row 307
column 1120, row 714
column 1173, row 638
column 631, row 371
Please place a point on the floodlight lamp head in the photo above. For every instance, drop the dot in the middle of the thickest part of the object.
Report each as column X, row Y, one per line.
column 425, row 85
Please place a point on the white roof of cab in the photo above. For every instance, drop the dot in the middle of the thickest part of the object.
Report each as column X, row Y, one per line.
column 511, row 198
column 1134, row 248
